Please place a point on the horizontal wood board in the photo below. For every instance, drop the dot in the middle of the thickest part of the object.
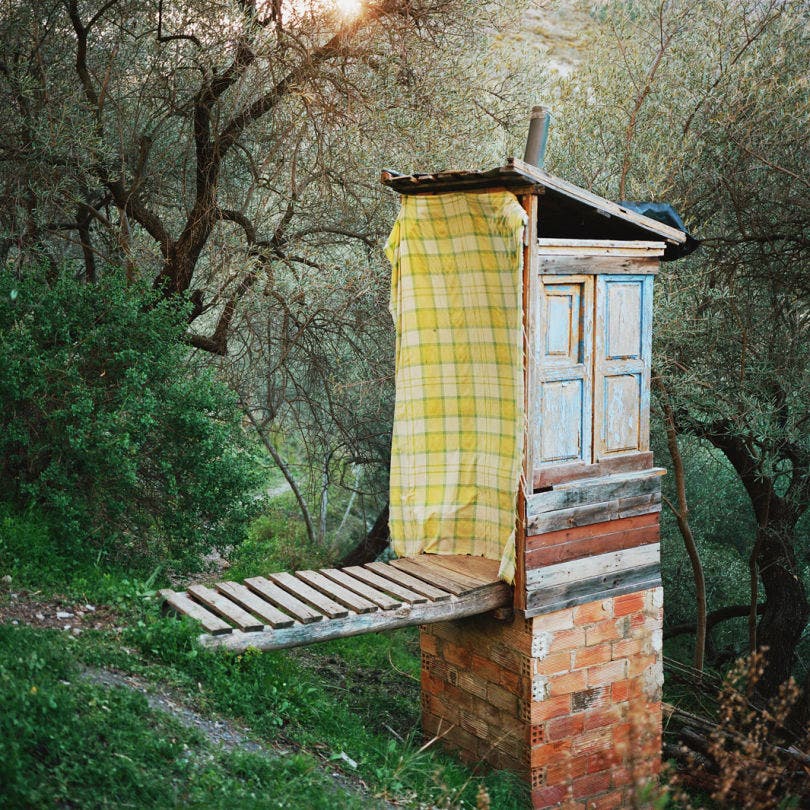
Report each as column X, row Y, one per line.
column 287, row 610
column 558, row 474
column 565, row 265
column 591, row 492
column 620, row 540
column 594, row 513
column 580, row 593
column 597, row 247
column 599, row 565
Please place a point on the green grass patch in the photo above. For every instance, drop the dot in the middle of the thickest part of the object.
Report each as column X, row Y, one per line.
column 67, row 742
column 339, row 698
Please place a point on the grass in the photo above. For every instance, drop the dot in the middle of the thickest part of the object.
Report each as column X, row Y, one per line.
column 66, row 742
column 349, row 707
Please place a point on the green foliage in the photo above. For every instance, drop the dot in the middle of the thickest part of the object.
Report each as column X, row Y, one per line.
column 105, row 429
column 276, row 541
column 29, row 553
column 303, row 694
column 67, row 742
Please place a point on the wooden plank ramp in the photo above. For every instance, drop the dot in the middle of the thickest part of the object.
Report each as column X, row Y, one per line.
column 290, row 610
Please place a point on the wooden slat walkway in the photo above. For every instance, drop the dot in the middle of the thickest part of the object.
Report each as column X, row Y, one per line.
column 289, row 610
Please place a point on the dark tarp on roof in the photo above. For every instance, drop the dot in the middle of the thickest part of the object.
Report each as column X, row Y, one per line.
column 664, row 212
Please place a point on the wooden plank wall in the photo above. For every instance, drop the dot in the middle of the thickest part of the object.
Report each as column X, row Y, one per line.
column 591, row 539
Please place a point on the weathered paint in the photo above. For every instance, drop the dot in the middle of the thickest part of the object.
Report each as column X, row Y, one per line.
column 622, row 356
column 592, row 347
column 563, row 374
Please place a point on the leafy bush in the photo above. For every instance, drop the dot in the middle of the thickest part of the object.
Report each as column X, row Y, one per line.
column 104, row 427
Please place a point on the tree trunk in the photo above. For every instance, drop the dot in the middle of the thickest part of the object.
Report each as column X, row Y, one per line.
column 786, row 607
column 373, row 544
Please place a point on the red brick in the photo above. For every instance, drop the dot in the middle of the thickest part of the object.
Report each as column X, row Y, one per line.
column 588, row 656
column 639, row 620
column 626, row 648
column 502, row 761
column 638, row 663
column 603, row 761
column 549, row 752
column 429, row 644
column 460, row 739
column 610, row 801
column 486, row 669
column 600, row 739
column 552, row 664
column 562, row 772
column 621, row 736
column 570, row 682
column 507, row 657
column 537, row 735
column 510, row 681
column 620, row 691
column 470, row 682
column 629, row 603
column 608, row 630
column 559, row 728
column 502, row 698
column 593, row 612
column 431, row 685
column 456, row 655
column 550, row 622
column 603, row 717
column 591, row 784
column 479, row 728
column 548, row 796
column 550, row 707
column 568, row 639
column 590, row 699
column 604, row 674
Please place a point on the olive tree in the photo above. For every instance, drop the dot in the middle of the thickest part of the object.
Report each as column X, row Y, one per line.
column 228, row 151
column 708, row 110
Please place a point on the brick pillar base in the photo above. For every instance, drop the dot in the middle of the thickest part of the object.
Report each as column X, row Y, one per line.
column 569, row 700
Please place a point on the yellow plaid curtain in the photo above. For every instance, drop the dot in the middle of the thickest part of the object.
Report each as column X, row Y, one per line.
column 456, row 296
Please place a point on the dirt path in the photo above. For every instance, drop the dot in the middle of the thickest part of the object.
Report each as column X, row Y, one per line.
column 219, row 732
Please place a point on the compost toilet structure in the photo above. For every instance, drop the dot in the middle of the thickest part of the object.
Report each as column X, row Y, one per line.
column 558, row 677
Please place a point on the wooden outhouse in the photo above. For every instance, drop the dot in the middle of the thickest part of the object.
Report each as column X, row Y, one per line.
column 567, row 692
column 556, row 676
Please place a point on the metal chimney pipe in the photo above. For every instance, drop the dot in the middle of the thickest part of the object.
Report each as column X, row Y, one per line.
column 538, row 136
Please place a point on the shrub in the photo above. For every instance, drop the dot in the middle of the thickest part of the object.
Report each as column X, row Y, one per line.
column 105, row 428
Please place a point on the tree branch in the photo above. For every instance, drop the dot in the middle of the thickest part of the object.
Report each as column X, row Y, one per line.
column 712, row 619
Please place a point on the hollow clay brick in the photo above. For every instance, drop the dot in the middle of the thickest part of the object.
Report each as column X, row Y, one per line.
column 548, row 796
column 549, row 752
column 591, row 784
column 553, row 664
column 560, row 728
column 628, row 603
column 567, row 683
column 593, row 612
column 562, row 772
column 567, row 639
column 605, row 674
column 608, row 630
column 597, row 654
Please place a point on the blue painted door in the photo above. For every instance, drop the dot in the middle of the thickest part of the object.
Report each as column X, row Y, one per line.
column 622, row 350
column 563, row 370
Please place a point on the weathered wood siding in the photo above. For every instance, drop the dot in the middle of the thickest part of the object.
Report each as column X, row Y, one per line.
column 564, row 377
column 590, row 539
column 591, row 331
